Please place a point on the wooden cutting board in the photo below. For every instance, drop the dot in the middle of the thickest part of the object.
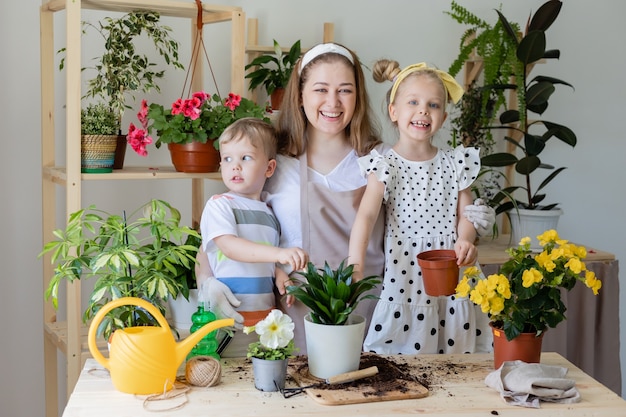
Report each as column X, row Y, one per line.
column 393, row 382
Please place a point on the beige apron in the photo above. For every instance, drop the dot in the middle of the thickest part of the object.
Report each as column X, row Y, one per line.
column 327, row 218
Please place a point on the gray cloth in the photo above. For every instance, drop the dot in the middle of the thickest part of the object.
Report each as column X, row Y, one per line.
column 526, row 384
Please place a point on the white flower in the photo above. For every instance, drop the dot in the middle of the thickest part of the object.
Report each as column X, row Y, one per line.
column 276, row 330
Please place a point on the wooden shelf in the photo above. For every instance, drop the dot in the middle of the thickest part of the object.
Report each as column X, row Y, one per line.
column 59, row 174
column 70, row 337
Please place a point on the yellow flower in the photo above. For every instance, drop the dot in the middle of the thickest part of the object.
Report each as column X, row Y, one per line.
column 531, row 276
column 504, row 288
column 545, row 261
column 575, row 265
column 497, row 305
column 463, row 288
column 547, row 237
column 524, row 241
column 592, row 282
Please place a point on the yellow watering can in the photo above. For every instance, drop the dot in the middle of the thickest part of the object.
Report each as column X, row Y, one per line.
column 144, row 359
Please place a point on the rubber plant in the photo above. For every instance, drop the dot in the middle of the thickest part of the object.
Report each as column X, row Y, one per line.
column 532, row 96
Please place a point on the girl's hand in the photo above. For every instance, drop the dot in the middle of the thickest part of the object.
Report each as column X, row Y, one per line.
column 466, row 252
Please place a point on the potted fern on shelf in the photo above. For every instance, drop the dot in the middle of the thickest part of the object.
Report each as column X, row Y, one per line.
column 332, row 296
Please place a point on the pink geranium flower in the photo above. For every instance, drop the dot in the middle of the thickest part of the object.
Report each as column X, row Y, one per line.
column 199, row 118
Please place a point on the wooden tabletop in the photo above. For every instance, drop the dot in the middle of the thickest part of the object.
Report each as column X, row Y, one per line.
column 456, row 388
column 493, row 251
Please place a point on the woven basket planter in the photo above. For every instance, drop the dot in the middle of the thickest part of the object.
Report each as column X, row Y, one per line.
column 97, row 153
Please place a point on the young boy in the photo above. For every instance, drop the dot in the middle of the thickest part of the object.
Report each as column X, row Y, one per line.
column 240, row 233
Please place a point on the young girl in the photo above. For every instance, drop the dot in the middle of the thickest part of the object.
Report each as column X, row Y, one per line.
column 423, row 190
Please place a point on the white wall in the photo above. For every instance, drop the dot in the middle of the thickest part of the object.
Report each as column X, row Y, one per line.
column 590, row 191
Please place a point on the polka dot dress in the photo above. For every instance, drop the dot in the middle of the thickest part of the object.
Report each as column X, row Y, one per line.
column 421, row 201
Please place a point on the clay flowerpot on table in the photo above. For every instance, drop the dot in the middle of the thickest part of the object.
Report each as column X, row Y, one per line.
column 525, row 347
column 440, row 271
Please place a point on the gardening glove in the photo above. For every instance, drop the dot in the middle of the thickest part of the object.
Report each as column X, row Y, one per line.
column 222, row 301
column 481, row 216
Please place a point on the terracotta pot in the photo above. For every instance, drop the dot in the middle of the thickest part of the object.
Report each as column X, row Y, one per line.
column 439, row 271
column 276, row 98
column 525, row 347
column 195, row 157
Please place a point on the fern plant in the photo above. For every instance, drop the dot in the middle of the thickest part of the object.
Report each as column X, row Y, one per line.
column 332, row 295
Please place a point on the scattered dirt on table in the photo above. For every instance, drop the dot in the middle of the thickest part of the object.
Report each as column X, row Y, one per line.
column 393, row 374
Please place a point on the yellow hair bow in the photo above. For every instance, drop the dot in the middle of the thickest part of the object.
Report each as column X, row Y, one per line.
column 454, row 90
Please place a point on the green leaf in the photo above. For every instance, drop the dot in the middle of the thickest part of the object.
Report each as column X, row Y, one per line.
column 545, row 15
column 532, row 47
column 500, row 159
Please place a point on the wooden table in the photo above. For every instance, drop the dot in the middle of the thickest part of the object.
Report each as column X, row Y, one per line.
column 451, row 393
column 589, row 338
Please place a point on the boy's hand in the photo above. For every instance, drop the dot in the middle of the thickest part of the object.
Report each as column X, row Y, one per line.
column 297, row 258
column 466, row 252
column 281, row 282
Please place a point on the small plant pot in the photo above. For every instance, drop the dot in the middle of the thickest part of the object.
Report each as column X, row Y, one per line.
column 439, row 271
column 269, row 375
column 334, row 349
column 97, row 153
column 525, row 347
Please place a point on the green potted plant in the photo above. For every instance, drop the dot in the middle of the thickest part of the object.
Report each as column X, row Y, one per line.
column 532, row 134
column 192, row 124
column 146, row 255
column 491, row 49
column 523, row 299
column 121, row 70
column 271, row 352
column 273, row 71
column 332, row 295
column 99, row 131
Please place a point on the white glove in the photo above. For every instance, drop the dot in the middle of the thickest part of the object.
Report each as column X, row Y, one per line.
column 222, row 301
column 481, row 216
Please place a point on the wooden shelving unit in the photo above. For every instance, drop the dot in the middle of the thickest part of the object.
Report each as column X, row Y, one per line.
column 69, row 336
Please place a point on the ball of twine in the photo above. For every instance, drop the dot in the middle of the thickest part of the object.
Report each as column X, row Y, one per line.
column 203, row 371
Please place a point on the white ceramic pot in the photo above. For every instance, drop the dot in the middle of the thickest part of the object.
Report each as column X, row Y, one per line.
column 532, row 223
column 269, row 375
column 333, row 350
column 180, row 310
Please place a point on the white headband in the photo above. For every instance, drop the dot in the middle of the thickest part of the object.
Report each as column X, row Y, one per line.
column 324, row 48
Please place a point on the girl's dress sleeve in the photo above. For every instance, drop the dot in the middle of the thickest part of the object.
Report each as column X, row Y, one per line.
column 467, row 161
column 375, row 163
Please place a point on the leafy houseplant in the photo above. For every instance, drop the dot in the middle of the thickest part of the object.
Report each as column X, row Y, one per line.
column 149, row 255
column 481, row 102
column 197, row 119
column 98, row 119
column 332, row 295
column 275, row 337
column 273, row 70
column 121, row 70
column 532, row 96
column 525, row 296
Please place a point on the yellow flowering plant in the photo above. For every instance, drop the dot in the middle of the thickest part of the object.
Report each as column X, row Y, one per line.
column 525, row 296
